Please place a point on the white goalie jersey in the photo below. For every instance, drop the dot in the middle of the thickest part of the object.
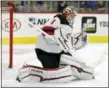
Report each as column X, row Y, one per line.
column 53, row 28
column 62, row 31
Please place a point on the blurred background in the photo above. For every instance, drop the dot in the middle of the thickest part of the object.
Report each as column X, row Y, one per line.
column 57, row 6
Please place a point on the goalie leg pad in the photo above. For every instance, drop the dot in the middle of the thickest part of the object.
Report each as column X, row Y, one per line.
column 37, row 74
column 26, row 73
column 80, row 71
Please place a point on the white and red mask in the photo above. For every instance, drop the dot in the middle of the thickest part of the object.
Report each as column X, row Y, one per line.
column 70, row 13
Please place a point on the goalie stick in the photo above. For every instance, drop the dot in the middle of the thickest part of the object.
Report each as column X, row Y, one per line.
column 95, row 64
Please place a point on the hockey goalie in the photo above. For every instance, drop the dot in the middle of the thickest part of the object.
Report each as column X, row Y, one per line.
column 57, row 53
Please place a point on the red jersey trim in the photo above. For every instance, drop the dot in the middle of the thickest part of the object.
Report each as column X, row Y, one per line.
column 49, row 30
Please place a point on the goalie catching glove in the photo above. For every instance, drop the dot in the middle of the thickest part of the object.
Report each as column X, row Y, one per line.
column 67, row 41
column 80, row 40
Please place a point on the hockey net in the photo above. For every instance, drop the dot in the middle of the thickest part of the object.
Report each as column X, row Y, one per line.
column 6, row 36
column 12, row 54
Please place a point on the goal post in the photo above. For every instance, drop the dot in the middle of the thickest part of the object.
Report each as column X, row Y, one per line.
column 7, row 26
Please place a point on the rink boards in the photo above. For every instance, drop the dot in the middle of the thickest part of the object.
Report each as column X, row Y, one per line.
column 96, row 26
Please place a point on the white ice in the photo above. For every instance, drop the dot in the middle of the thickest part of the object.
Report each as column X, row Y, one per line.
column 91, row 54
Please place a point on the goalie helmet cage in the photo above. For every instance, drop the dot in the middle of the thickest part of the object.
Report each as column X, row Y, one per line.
column 8, row 10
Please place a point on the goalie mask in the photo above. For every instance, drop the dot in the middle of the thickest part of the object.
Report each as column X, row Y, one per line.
column 69, row 13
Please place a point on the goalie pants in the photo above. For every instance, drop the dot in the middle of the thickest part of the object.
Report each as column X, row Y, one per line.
column 49, row 60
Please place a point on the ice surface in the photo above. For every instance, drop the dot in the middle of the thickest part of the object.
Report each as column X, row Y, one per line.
column 90, row 53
